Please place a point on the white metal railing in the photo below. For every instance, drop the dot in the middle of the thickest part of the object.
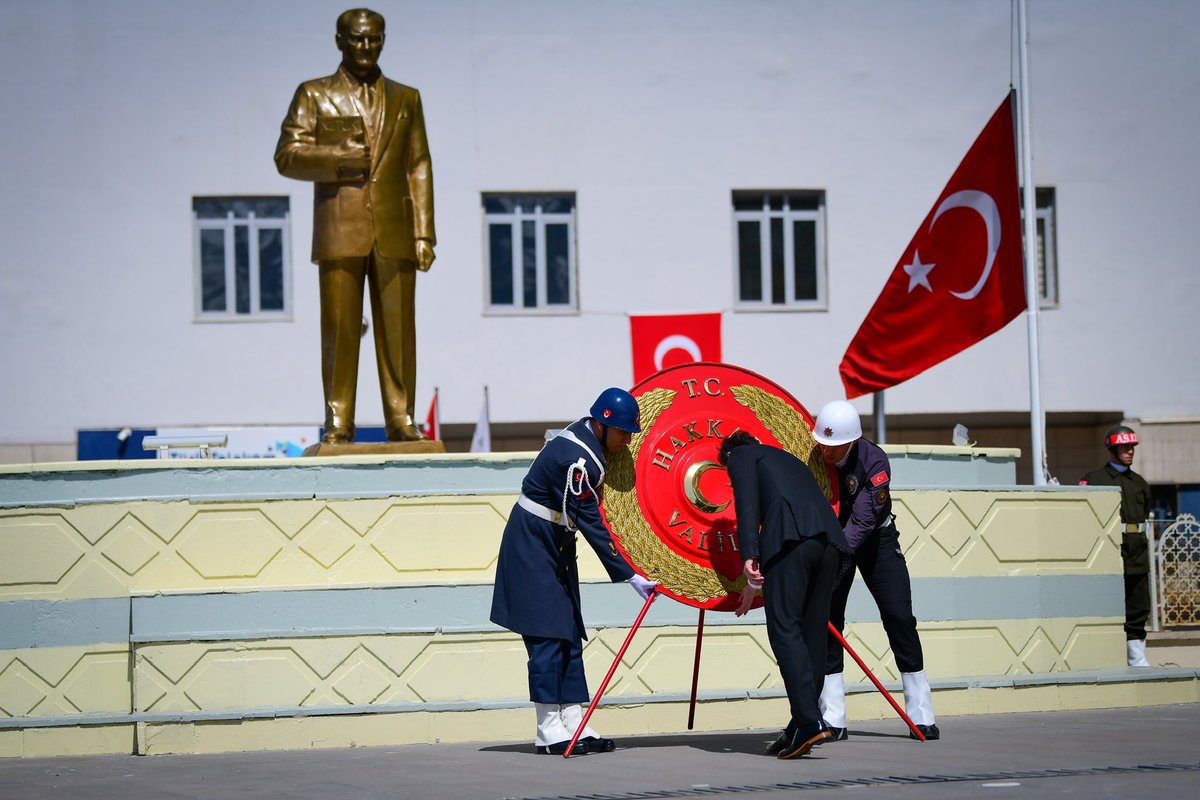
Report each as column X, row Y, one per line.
column 1174, row 571
column 204, row 443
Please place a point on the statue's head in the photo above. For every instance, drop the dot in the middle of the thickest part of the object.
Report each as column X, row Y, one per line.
column 360, row 38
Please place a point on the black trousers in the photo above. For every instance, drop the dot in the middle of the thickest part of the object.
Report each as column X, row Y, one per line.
column 556, row 672
column 796, row 591
column 1137, row 604
column 881, row 562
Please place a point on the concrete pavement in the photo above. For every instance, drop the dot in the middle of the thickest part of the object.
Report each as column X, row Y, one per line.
column 1093, row 754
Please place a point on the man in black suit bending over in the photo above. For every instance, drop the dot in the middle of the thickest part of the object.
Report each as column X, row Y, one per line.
column 792, row 546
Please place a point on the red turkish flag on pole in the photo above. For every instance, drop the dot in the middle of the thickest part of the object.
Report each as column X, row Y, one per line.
column 663, row 341
column 961, row 278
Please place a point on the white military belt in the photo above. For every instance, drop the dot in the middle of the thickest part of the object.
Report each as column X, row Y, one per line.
column 541, row 512
column 1135, row 527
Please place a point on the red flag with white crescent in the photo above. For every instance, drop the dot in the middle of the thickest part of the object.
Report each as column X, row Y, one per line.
column 961, row 278
column 669, row 340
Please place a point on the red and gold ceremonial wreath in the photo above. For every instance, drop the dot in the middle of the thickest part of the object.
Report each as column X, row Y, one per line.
column 668, row 501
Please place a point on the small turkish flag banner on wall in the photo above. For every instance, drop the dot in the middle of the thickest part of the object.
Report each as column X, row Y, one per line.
column 662, row 341
column 961, row 278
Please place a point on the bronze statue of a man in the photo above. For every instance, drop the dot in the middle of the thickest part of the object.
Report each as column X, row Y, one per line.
column 361, row 139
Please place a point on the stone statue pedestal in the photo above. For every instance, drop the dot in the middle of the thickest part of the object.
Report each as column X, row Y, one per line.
column 375, row 448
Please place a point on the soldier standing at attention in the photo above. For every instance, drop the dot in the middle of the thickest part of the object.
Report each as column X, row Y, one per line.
column 1135, row 550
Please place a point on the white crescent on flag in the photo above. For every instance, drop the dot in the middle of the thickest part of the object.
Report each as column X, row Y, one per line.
column 675, row 342
column 983, row 205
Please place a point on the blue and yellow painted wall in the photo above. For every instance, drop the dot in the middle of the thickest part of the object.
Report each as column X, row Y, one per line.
column 189, row 606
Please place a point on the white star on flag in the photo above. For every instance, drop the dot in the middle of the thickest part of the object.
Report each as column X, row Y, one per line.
column 918, row 273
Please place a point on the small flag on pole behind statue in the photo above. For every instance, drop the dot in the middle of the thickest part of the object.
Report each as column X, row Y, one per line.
column 481, row 442
column 431, row 419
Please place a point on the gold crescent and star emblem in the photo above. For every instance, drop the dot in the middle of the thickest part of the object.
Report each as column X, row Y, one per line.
column 669, row 502
column 691, row 487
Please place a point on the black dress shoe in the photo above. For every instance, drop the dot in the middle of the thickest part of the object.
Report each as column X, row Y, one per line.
column 781, row 741
column 805, row 740
column 837, row 734
column 558, row 748
column 598, row 744
column 930, row 732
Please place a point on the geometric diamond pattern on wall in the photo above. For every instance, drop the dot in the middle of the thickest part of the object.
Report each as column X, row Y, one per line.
column 1029, row 534
column 732, row 659
column 405, row 534
column 130, row 545
column 1004, row 647
column 37, row 549
column 215, row 546
column 229, row 543
column 443, row 668
column 64, row 680
column 364, row 679
column 327, row 538
column 225, row 678
column 448, row 668
column 19, row 694
column 146, row 546
column 951, row 532
column 440, row 668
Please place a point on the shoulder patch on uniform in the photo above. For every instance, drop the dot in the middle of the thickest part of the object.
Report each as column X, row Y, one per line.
column 881, row 497
column 879, row 477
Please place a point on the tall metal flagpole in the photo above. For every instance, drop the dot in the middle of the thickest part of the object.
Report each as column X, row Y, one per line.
column 1037, row 418
column 880, row 417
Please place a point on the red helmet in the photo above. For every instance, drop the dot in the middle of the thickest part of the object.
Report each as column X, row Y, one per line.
column 1119, row 434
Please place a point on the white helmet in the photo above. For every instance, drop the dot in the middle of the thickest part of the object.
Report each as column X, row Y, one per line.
column 837, row 424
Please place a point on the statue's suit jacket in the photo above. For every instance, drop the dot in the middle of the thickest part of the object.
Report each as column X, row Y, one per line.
column 392, row 206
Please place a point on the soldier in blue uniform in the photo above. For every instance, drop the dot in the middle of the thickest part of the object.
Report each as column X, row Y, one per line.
column 865, row 511
column 537, row 581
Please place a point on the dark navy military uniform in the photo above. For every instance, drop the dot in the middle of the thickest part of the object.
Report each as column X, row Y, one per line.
column 865, row 511
column 537, row 579
column 1135, row 551
column 786, row 523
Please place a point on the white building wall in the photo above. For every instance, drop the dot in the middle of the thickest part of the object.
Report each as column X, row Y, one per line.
column 118, row 113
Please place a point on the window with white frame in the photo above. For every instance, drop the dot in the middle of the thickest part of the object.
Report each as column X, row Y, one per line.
column 243, row 267
column 780, row 241
column 1046, row 258
column 530, row 251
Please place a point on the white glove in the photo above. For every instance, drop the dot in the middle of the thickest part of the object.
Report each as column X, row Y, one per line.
column 642, row 586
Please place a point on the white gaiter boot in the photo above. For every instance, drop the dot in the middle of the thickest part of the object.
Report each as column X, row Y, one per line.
column 918, row 698
column 1135, row 649
column 550, row 727
column 572, row 715
column 833, row 701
